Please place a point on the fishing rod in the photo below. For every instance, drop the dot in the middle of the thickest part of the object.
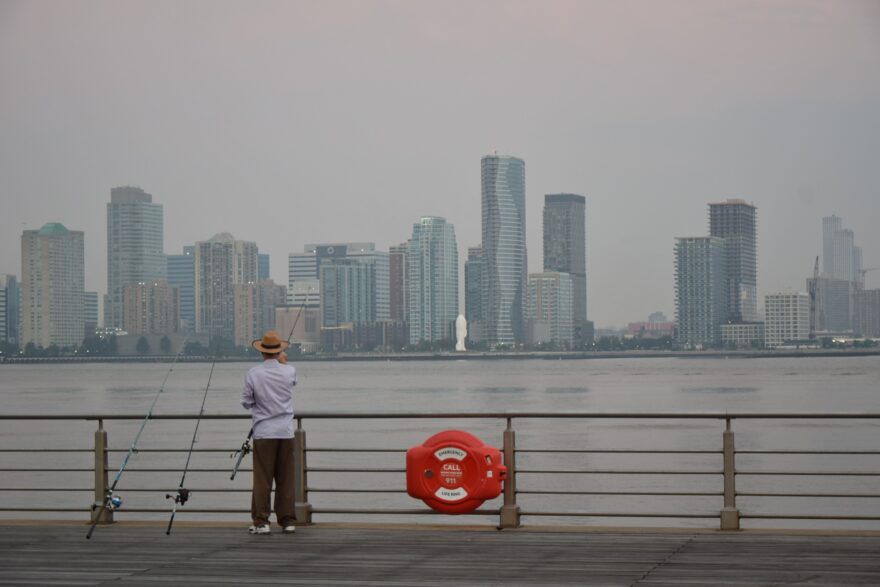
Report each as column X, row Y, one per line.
column 113, row 502
column 183, row 493
column 246, row 445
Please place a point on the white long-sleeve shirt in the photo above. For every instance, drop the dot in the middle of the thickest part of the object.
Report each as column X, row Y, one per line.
column 268, row 393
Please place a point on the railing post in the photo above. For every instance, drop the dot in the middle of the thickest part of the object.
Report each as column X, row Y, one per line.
column 510, row 511
column 729, row 514
column 101, row 480
column 302, row 509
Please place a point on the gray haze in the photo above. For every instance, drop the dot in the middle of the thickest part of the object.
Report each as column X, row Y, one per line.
column 295, row 122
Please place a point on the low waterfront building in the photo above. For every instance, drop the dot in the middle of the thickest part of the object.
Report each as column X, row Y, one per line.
column 743, row 336
column 787, row 318
column 549, row 308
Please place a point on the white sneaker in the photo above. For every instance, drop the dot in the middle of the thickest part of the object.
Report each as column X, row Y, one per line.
column 261, row 529
column 289, row 529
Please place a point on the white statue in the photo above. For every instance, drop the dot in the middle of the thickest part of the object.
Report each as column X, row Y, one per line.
column 460, row 332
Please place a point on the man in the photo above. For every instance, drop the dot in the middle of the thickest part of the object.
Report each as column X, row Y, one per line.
column 268, row 393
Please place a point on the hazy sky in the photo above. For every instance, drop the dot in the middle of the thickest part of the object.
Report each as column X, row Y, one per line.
column 295, row 122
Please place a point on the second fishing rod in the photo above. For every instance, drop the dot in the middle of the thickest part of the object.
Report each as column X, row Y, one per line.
column 245, row 447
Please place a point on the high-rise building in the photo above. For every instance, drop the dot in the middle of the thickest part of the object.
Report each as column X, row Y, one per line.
column 254, row 305
column 505, row 262
column 736, row 222
column 348, row 291
column 306, row 267
column 151, row 308
column 90, row 313
column 262, row 266
column 182, row 275
column 833, row 312
column 473, row 310
column 221, row 262
column 787, row 318
column 52, row 285
column 565, row 246
column 135, row 246
column 700, row 290
column 838, row 250
column 432, row 263
column 398, row 281
column 866, row 317
column 550, row 308
column 9, row 309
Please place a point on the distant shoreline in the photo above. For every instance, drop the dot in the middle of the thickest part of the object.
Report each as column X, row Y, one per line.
column 472, row 356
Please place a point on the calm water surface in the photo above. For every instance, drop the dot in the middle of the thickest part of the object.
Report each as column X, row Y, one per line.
column 661, row 385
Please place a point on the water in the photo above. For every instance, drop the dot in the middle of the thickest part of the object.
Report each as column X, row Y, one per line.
column 656, row 385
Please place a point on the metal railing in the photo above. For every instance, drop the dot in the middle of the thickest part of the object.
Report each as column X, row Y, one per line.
column 547, row 485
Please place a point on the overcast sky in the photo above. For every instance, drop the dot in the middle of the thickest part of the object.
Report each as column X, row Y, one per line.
column 293, row 122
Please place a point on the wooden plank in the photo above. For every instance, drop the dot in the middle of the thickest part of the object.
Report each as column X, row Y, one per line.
column 140, row 556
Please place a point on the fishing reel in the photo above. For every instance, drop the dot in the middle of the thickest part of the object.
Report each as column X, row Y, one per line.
column 243, row 451
column 111, row 503
column 181, row 497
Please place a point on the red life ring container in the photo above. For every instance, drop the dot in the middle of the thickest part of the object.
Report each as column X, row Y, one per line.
column 454, row 472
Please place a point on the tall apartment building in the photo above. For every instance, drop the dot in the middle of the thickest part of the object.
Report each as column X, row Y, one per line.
column 135, row 246
column 505, row 259
column 398, row 283
column 221, row 262
column 565, row 246
column 304, row 271
column 736, row 222
column 348, row 292
column 473, row 310
column 9, row 309
column 550, row 309
column 254, row 306
column 432, row 263
column 787, row 318
column 700, row 290
column 181, row 270
column 151, row 308
column 52, row 285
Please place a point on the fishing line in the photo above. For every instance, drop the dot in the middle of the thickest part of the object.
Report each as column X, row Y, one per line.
column 183, row 493
column 112, row 502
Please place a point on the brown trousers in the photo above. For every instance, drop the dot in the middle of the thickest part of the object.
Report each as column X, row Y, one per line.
column 273, row 459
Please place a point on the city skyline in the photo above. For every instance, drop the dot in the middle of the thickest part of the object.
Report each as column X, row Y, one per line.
column 331, row 116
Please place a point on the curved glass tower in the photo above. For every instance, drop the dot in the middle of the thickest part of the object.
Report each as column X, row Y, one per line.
column 504, row 271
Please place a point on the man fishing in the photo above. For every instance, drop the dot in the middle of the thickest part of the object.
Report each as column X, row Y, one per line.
column 268, row 393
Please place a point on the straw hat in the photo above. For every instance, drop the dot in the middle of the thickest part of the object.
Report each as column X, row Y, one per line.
column 271, row 343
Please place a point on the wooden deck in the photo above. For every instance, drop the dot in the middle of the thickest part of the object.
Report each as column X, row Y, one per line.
column 132, row 555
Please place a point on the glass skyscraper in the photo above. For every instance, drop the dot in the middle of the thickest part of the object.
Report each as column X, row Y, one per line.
column 182, row 275
column 432, row 265
column 700, row 289
column 735, row 221
column 135, row 246
column 505, row 267
column 473, row 270
column 565, row 246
